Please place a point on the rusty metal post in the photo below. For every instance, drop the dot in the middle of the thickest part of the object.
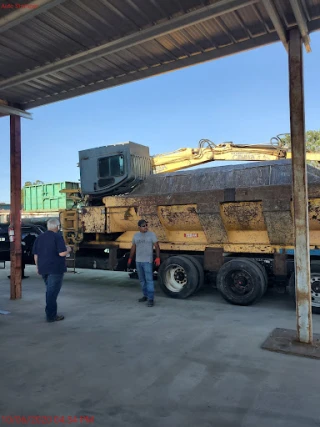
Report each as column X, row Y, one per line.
column 300, row 189
column 15, row 209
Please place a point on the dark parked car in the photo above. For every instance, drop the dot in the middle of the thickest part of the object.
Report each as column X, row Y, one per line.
column 29, row 233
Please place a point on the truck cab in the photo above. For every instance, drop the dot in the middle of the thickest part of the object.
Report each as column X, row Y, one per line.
column 113, row 169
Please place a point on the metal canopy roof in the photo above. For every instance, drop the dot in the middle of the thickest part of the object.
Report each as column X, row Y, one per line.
column 51, row 50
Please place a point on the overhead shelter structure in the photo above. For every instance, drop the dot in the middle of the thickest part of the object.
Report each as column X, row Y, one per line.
column 53, row 50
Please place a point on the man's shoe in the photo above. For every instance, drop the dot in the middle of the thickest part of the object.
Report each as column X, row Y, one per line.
column 150, row 303
column 55, row 319
column 143, row 299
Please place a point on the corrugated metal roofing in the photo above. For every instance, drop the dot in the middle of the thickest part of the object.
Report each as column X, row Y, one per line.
column 52, row 50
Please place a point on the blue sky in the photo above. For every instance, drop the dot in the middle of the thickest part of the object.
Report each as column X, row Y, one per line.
column 243, row 98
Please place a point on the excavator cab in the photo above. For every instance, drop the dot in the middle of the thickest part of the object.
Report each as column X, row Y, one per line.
column 113, row 169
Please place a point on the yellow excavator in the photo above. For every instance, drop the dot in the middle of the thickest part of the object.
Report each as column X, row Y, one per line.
column 118, row 169
column 228, row 151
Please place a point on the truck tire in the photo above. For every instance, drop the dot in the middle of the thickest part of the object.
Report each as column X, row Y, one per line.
column 241, row 281
column 315, row 286
column 264, row 272
column 199, row 270
column 178, row 277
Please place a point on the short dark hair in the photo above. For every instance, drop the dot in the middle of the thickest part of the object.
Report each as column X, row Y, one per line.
column 142, row 222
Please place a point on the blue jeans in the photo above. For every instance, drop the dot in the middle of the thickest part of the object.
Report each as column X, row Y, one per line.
column 145, row 273
column 53, row 285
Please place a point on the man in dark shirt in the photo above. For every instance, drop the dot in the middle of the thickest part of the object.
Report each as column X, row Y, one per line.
column 49, row 252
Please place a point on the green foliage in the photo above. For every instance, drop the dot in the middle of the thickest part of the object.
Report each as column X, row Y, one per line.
column 312, row 143
column 312, row 140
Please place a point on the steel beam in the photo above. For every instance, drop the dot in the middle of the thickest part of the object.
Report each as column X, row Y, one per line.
column 276, row 21
column 200, row 15
column 7, row 110
column 300, row 189
column 314, row 25
column 302, row 23
column 15, row 209
column 161, row 69
column 26, row 12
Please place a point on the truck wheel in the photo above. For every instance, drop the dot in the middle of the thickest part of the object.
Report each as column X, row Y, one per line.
column 178, row 277
column 199, row 270
column 241, row 281
column 315, row 286
column 265, row 275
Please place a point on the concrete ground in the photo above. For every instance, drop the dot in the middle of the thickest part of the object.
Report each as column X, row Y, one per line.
column 194, row 362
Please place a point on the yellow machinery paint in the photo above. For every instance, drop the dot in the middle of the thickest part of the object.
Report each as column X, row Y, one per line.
column 260, row 225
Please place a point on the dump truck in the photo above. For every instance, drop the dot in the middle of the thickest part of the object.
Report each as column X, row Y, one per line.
column 230, row 225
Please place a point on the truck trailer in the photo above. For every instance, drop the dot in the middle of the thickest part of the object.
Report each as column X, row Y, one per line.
column 229, row 225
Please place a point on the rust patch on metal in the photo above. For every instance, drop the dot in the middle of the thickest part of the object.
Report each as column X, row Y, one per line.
column 192, row 210
column 314, row 212
column 127, row 215
column 179, row 217
column 213, row 228
column 280, row 264
column 280, row 227
column 213, row 259
column 243, row 215
column 93, row 219
column 233, row 210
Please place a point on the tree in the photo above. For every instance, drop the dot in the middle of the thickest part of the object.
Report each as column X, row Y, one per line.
column 312, row 142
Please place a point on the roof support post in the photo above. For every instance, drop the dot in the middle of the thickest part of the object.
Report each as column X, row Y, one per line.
column 300, row 189
column 15, row 209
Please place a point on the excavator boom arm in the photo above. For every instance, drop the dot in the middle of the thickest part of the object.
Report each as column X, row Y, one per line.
column 187, row 157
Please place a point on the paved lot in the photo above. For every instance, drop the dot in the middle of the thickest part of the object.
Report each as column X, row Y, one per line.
column 195, row 362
